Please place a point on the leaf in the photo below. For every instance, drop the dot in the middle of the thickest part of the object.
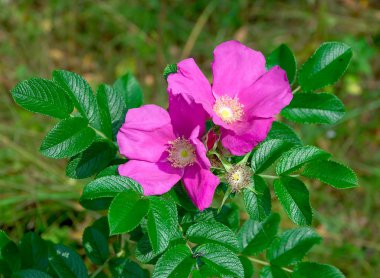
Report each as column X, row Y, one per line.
column 312, row 108
column 144, row 251
column 229, row 215
column 325, row 66
column 294, row 198
column 169, row 69
column 80, row 93
column 272, row 272
column 10, row 253
column 332, row 173
column 109, row 186
column 104, row 110
column 162, row 221
column 283, row 132
column 66, row 262
column 95, row 245
column 129, row 89
column 267, row 153
column 4, row 239
column 212, row 232
column 292, row 246
column 30, row 273
column 283, row 57
column 34, row 252
column 126, row 212
column 316, row 270
column 220, row 259
column 123, row 268
column 44, row 97
column 297, row 157
column 248, row 267
column 68, row 138
column 109, row 171
column 255, row 236
column 176, row 262
column 257, row 199
column 91, row 161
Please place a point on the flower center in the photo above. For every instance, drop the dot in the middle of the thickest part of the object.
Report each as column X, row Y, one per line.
column 229, row 109
column 181, row 153
column 239, row 177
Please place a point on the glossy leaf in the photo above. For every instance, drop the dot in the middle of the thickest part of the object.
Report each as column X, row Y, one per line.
column 316, row 270
column 129, row 89
column 212, row 232
column 30, row 273
column 257, row 199
column 44, row 97
column 80, row 93
column 248, row 267
column 124, row 268
column 10, row 253
column 255, row 236
column 272, row 272
column 292, row 245
column 95, row 244
column 220, row 259
column 332, row 173
column 34, row 252
column 283, row 132
column 283, row 57
column 294, row 198
column 176, row 262
column 94, row 159
column 126, row 212
column 68, row 138
column 312, row 108
column 325, row 66
column 297, row 157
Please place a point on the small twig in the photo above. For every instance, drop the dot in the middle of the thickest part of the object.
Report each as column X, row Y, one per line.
column 296, row 89
column 100, row 268
column 266, row 263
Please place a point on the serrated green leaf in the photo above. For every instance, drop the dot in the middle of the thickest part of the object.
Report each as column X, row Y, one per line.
column 95, row 245
column 176, row 262
column 4, row 239
column 30, row 273
column 283, row 57
column 292, row 246
column 255, row 236
column 68, row 138
column 316, row 270
column 105, row 120
column 267, row 153
column 283, row 132
column 272, row 272
column 94, row 159
column 10, row 253
column 229, row 215
column 109, row 171
column 295, row 158
column 126, row 211
column 257, row 199
column 312, row 108
column 144, row 251
column 44, row 97
column 66, row 262
column 325, row 66
column 212, row 232
column 294, row 198
column 125, row 268
column 109, row 186
column 162, row 221
column 80, row 93
column 248, row 267
column 129, row 89
column 332, row 173
column 220, row 259
column 34, row 252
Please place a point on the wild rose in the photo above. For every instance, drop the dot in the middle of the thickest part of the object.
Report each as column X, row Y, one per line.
column 165, row 147
column 243, row 98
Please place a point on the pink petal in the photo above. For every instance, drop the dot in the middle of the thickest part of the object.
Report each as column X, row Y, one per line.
column 145, row 133
column 235, row 68
column 200, row 184
column 186, row 115
column 190, row 82
column 268, row 95
column 201, row 153
column 155, row 178
column 241, row 144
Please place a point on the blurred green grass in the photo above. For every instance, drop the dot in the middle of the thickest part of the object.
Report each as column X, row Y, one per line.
column 102, row 40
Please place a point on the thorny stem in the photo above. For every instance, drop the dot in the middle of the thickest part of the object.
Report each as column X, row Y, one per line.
column 265, row 263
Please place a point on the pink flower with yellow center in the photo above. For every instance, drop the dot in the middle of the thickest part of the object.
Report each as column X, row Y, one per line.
column 163, row 147
column 243, row 98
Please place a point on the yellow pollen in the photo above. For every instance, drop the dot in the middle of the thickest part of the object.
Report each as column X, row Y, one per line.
column 229, row 109
column 239, row 177
column 181, row 153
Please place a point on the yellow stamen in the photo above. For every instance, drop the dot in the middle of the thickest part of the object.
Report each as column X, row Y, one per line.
column 181, row 153
column 229, row 109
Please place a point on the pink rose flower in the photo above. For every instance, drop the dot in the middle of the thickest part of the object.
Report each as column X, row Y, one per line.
column 165, row 147
column 243, row 98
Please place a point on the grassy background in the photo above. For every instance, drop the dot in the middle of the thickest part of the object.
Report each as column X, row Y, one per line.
column 102, row 40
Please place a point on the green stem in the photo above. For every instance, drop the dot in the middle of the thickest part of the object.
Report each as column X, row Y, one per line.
column 100, row 268
column 273, row 177
column 228, row 192
column 101, row 134
column 296, row 89
column 266, row 263
column 245, row 159
column 224, row 162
